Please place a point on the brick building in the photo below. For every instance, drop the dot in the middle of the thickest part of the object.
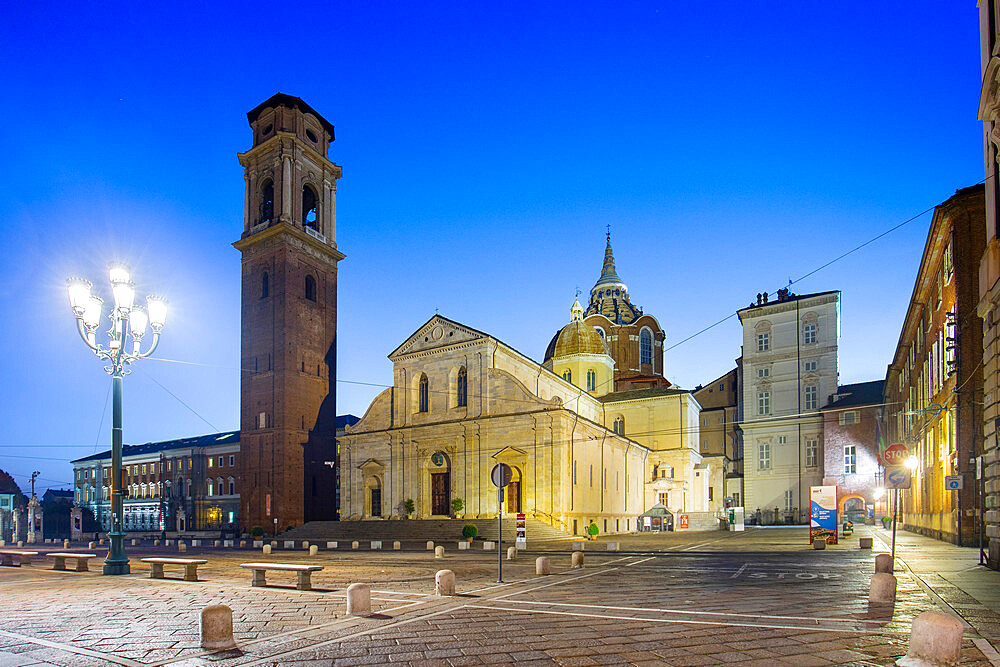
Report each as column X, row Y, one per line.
column 850, row 445
column 933, row 386
column 289, row 317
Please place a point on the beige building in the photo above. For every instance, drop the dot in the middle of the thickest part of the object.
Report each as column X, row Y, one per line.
column 789, row 371
column 721, row 438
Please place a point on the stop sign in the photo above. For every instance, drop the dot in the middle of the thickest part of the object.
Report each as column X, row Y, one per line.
column 896, row 454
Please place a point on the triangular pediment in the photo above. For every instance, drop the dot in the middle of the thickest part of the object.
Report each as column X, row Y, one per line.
column 437, row 332
column 372, row 463
column 509, row 451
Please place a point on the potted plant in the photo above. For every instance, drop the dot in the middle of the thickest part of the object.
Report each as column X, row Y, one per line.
column 257, row 532
column 886, row 522
column 469, row 532
column 457, row 505
column 409, row 507
column 592, row 530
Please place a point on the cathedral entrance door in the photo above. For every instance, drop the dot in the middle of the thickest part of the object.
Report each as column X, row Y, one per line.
column 513, row 499
column 376, row 502
column 440, row 493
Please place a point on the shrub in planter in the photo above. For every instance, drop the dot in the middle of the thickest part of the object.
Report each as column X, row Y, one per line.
column 469, row 531
column 886, row 521
column 257, row 531
column 457, row 505
column 409, row 507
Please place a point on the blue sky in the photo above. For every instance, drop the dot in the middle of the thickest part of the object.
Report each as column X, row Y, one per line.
column 730, row 146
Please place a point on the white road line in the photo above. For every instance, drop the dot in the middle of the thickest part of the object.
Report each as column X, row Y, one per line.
column 640, row 561
column 810, row 628
column 69, row 648
column 740, row 571
column 554, row 583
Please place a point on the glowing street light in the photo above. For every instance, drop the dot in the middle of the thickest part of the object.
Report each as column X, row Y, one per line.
column 128, row 325
column 879, row 492
column 912, row 463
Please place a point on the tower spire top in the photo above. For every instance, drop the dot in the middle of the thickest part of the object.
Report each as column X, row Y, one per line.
column 608, row 272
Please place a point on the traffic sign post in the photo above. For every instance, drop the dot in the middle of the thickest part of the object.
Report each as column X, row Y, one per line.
column 500, row 476
column 897, row 477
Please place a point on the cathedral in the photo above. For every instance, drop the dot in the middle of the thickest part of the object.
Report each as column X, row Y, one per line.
column 595, row 433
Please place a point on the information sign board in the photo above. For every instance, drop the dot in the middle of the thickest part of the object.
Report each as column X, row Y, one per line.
column 953, row 482
column 520, row 534
column 823, row 513
column 897, row 477
column 683, row 521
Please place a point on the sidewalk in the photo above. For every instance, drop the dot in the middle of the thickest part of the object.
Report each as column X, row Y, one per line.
column 949, row 573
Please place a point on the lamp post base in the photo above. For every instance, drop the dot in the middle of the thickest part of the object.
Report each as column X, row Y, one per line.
column 117, row 561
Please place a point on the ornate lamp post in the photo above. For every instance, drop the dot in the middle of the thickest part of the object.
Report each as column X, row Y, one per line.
column 128, row 327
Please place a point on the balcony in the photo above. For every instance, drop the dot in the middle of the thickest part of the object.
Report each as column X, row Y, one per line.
column 315, row 234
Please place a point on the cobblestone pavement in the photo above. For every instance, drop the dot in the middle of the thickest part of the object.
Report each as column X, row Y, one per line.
column 758, row 598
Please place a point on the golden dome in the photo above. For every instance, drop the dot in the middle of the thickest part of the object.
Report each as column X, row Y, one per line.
column 577, row 337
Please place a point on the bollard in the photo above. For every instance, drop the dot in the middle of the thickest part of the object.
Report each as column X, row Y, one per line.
column 883, row 563
column 196, row 543
column 305, row 545
column 217, row 628
column 90, row 545
column 865, row 543
column 511, row 553
column 439, row 552
column 359, row 600
column 577, row 546
column 266, row 549
column 612, row 546
column 819, row 543
column 396, row 546
column 181, row 547
column 463, row 545
column 135, row 542
column 430, row 545
column 65, row 544
column 883, row 589
column 20, row 544
column 444, row 582
column 935, row 639
column 274, row 544
column 542, row 565
column 577, row 560
column 331, row 545
column 217, row 543
column 288, row 544
column 488, row 546
column 101, row 541
column 243, row 544
column 156, row 543
column 355, row 544
column 313, row 550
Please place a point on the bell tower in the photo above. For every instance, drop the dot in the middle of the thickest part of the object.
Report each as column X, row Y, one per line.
column 289, row 318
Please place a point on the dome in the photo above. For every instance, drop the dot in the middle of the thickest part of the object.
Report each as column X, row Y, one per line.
column 577, row 337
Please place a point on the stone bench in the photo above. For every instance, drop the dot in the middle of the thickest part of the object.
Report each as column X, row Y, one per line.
column 190, row 566
column 7, row 558
column 81, row 560
column 304, row 573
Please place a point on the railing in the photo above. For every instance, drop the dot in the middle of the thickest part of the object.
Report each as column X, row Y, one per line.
column 551, row 520
column 315, row 234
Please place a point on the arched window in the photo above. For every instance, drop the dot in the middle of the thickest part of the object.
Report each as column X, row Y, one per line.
column 645, row 346
column 591, row 381
column 266, row 210
column 310, row 288
column 424, row 394
column 619, row 426
column 308, row 206
column 211, row 484
column 463, row 387
column 568, row 375
column 232, row 486
column 600, row 331
column 265, row 285
column 219, row 488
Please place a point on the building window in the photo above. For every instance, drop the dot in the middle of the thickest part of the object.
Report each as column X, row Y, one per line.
column 788, row 500
column 211, row 486
column 221, row 461
column 211, row 462
column 424, row 394
column 949, row 261
column 810, row 366
column 704, row 445
column 809, row 334
column 722, row 386
column 763, row 372
column 568, row 375
column 781, row 439
column 619, row 425
column 764, row 456
column 591, row 381
column 308, row 206
column 763, row 342
column 265, row 286
column 232, row 459
column 811, row 452
column 850, row 460
column 664, row 499
column 574, row 473
column 848, row 417
column 310, row 288
column 763, row 402
column 811, row 397
column 463, row 387
column 266, row 211
column 232, row 486
column 645, row 346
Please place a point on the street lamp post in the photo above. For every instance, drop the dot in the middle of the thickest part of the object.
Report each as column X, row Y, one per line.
column 128, row 325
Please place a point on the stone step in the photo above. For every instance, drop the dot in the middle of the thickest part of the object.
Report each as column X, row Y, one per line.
column 417, row 530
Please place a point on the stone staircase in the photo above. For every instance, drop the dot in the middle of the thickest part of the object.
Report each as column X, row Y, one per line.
column 418, row 531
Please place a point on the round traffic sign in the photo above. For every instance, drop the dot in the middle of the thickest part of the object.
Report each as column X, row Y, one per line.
column 501, row 475
column 895, row 454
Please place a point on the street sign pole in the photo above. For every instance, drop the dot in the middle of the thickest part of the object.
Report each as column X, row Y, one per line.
column 500, row 535
column 895, row 510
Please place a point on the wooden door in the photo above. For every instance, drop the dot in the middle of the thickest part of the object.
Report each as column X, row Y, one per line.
column 376, row 502
column 513, row 498
column 440, row 493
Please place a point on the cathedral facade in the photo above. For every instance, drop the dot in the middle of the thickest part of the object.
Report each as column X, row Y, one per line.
column 594, row 433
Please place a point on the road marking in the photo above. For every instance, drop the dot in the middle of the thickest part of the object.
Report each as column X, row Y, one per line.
column 640, row 561
column 987, row 650
column 810, row 628
column 740, row 571
column 69, row 648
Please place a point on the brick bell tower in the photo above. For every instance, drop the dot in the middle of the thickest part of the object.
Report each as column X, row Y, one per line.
column 289, row 318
